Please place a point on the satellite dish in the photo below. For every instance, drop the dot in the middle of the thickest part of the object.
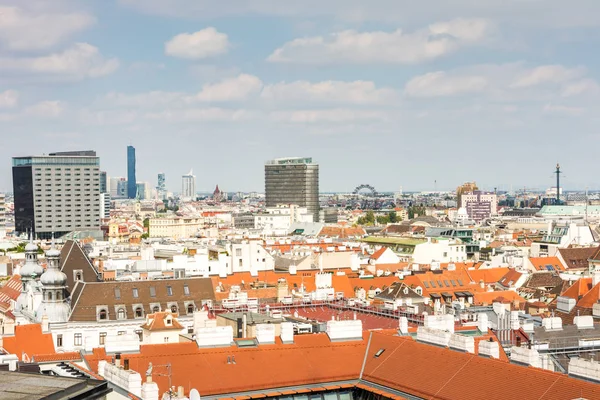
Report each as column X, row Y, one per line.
column 194, row 394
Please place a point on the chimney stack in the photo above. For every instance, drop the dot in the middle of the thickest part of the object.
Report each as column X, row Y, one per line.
column 180, row 392
column 118, row 360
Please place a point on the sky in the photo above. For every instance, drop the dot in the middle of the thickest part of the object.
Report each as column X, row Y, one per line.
column 392, row 93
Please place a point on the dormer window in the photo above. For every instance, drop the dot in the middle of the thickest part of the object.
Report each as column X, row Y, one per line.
column 168, row 321
column 102, row 315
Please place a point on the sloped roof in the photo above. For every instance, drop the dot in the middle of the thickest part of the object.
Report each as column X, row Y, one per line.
column 540, row 263
column 577, row 258
column 11, row 289
column 158, row 322
column 590, row 298
column 510, row 278
column 579, row 288
column 73, row 258
column 543, row 279
column 30, row 340
column 487, row 275
column 502, row 296
column 409, row 366
column 402, row 365
column 87, row 296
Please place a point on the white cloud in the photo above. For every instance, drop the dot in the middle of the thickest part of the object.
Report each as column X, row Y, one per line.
column 547, row 74
column 357, row 92
column 564, row 110
column 80, row 61
column 21, row 29
column 503, row 82
column 396, row 47
column 9, row 98
column 45, row 109
column 212, row 114
column 336, row 115
column 439, row 83
column 232, row 89
column 584, row 86
column 143, row 100
column 202, row 44
column 552, row 13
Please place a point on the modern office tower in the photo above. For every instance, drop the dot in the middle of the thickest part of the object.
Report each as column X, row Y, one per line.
column 118, row 188
column 143, row 191
column 188, row 186
column 105, row 205
column 103, row 182
column 2, row 216
column 131, row 177
column 161, row 188
column 57, row 193
column 293, row 181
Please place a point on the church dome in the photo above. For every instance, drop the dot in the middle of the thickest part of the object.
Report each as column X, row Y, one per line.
column 31, row 247
column 53, row 277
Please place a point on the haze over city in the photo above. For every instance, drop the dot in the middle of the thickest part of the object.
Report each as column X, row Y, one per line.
column 390, row 93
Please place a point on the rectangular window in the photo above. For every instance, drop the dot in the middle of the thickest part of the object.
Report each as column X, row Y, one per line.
column 120, row 333
column 140, row 334
column 152, row 291
column 186, row 290
column 117, row 293
column 102, row 338
column 77, row 339
column 166, row 339
column 59, row 340
column 169, row 291
column 135, row 292
column 238, row 252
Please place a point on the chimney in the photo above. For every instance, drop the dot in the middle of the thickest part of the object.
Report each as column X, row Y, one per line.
column 126, row 364
column 180, row 392
column 45, row 324
column 118, row 360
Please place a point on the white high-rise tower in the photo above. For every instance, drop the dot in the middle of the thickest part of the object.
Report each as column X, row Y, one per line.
column 188, row 186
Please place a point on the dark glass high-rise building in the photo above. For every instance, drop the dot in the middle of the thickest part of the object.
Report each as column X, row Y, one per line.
column 293, row 181
column 131, row 178
column 103, row 182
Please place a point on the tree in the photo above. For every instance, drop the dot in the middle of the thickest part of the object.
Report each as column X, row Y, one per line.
column 147, row 223
column 370, row 217
column 393, row 217
column 383, row 219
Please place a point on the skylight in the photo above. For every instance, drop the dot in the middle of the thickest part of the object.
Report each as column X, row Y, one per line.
column 379, row 352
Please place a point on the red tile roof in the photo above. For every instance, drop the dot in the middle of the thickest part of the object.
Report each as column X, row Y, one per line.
column 158, row 322
column 580, row 288
column 57, row 357
column 29, row 340
column 539, row 263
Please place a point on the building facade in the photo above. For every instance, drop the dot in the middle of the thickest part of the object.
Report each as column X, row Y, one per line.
column 2, row 215
column 293, row 181
column 188, row 186
column 479, row 205
column 118, row 188
column 131, row 175
column 105, row 205
column 103, row 182
column 57, row 193
column 161, row 188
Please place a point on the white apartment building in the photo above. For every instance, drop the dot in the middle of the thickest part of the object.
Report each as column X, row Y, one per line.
column 175, row 227
column 560, row 235
column 278, row 220
column 188, row 186
column 442, row 250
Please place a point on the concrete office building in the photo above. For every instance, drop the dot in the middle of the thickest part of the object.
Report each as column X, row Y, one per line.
column 105, row 205
column 479, row 205
column 131, row 176
column 293, row 181
column 188, row 186
column 57, row 193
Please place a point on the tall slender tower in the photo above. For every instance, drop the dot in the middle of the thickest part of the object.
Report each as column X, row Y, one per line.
column 557, row 183
column 131, row 177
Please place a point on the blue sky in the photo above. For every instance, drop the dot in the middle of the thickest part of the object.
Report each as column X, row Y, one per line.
column 394, row 93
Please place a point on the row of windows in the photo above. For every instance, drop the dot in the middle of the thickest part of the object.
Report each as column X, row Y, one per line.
column 152, row 290
column 139, row 311
column 445, row 283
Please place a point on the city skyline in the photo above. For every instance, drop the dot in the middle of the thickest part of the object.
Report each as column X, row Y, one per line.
column 439, row 85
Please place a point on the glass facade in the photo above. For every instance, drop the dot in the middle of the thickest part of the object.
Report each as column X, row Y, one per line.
column 23, row 191
column 50, row 161
column 293, row 181
column 131, row 177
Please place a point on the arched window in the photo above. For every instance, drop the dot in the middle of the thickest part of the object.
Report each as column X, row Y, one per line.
column 103, row 315
column 156, row 309
column 49, row 295
column 78, row 276
column 139, row 313
column 121, row 313
column 59, row 295
column 190, row 309
column 174, row 308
